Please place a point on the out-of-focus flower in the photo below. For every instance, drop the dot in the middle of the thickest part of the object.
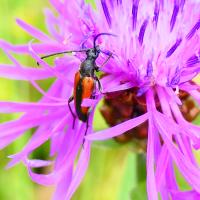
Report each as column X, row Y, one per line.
column 157, row 51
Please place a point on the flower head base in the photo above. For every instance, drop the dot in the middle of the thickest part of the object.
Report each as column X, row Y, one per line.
column 123, row 105
column 157, row 50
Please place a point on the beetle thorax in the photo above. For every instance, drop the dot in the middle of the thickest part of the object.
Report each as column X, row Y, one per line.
column 87, row 67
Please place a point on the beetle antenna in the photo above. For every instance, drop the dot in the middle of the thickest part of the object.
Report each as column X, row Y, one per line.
column 98, row 35
column 63, row 52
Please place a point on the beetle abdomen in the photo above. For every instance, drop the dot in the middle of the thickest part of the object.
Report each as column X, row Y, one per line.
column 83, row 88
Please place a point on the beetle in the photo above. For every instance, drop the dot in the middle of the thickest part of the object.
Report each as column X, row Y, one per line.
column 85, row 80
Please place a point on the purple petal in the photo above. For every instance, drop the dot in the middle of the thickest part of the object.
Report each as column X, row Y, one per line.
column 189, row 171
column 156, row 13
column 118, row 129
column 121, row 87
column 40, row 136
column 188, row 76
column 25, row 123
column 170, row 175
column 5, row 141
column 45, row 48
column 134, row 13
column 11, row 72
column 74, row 139
column 63, row 185
column 188, row 86
column 142, row 31
column 151, row 181
column 182, row 126
column 195, row 94
column 43, row 179
column 174, row 16
column 110, row 82
column 193, row 30
column 174, row 47
column 185, row 195
column 9, row 107
column 33, row 31
column 52, row 22
column 37, row 163
column 58, row 5
column 89, row 102
column 172, row 96
column 193, row 60
column 106, row 12
column 149, row 68
column 81, row 168
column 56, row 141
column 161, row 166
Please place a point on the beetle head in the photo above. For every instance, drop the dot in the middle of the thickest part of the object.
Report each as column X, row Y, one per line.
column 93, row 52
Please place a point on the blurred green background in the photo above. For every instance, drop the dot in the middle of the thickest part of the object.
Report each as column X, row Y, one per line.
column 115, row 171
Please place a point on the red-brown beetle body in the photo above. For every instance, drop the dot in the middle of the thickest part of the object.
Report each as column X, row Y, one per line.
column 83, row 89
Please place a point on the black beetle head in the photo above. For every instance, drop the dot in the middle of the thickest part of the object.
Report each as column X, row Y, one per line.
column 93, row 52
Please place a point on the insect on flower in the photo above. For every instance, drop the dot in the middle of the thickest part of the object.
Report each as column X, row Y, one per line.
column 158, row 56
column 85, row 79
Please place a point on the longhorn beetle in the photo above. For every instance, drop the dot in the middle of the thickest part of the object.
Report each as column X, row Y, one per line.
column 85, row 79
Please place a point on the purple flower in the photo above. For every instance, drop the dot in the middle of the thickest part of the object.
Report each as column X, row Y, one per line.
column 157, row 50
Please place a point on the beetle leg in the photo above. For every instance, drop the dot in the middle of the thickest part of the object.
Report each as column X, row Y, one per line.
column 96, row 68
column 87, row 126
column 74, row 116
column 99, row 84
column 105, row 62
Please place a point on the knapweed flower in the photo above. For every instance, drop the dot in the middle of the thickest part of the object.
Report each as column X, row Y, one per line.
column 156, row 53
